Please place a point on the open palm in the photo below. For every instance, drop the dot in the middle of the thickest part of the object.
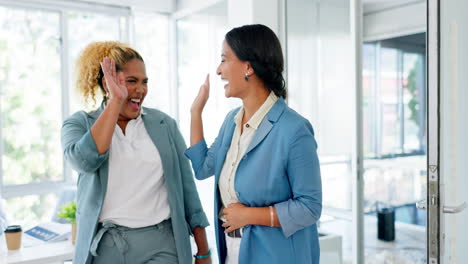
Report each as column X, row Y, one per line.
column 115, row 81
column 202, row 97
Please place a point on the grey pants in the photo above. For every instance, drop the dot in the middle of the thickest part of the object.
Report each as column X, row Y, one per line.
column 114, row 244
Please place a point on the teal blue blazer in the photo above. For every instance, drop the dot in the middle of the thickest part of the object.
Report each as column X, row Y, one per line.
column 280, row 168
column 81, row 153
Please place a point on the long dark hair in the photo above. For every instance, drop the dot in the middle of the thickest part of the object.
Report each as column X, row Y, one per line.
column 259, row 45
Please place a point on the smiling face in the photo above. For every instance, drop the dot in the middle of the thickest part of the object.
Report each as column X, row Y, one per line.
column 136, row 82
column 232, row 71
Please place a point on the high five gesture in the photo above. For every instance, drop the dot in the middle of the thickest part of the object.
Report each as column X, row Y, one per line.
column 114, row 81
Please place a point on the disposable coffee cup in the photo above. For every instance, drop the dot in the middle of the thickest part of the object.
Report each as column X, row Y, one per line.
column 13, row 235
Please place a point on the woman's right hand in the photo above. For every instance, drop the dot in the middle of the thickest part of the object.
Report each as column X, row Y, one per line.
column 202, row 97
column 115, row 82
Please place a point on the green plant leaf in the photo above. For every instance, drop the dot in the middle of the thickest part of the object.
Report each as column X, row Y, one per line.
column 68, row 212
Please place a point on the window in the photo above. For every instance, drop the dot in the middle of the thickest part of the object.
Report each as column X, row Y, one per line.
column 394, row 125
column 105, row 27
column 30, row 96
column 39, row 44
column 31, row 209
column 394, row 99
column 152, row 41
column 35, row 57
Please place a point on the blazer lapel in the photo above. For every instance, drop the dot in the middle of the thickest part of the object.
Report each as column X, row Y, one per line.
column 267, row 124
column 225, row 144
column 157, row 131
column 260, row 134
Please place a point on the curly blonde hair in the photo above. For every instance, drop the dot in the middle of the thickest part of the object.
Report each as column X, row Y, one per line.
column 88, row 69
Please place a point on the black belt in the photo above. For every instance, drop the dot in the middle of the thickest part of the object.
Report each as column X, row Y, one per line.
column 235, row 233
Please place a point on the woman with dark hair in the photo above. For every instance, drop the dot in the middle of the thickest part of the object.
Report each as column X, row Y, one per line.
column 268, row 194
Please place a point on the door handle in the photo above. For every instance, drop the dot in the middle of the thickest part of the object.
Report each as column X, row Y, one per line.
column 447, row 209
column 455, row 209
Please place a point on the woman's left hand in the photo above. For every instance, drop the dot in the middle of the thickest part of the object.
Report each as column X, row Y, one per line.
column 203, row 261
column 236, row 215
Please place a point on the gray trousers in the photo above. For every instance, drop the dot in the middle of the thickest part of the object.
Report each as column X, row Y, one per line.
column 114, row 244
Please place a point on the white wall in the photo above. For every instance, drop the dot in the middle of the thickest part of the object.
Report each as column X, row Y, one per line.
column 184, row 4
column 164, row 6
column 395, row 21
column 240, row 12
column 181, row 5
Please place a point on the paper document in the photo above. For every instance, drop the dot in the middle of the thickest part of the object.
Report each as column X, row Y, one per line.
column 46, row 232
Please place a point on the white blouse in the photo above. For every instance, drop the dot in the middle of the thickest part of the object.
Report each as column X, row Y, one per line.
column 239, row 144
column 136, row 191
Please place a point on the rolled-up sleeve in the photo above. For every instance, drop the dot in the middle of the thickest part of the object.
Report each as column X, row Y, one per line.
column 198, row 219
column 79, row 148
column 303, row 169
column 204, row 159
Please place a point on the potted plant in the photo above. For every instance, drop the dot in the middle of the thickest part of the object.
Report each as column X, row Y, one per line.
column 68, row 212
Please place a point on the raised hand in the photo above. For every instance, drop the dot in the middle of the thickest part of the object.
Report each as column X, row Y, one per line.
column 202, row 97
column 115, row 82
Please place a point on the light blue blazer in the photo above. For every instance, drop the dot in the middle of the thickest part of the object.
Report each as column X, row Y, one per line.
column 81, row 153
column 280, row 168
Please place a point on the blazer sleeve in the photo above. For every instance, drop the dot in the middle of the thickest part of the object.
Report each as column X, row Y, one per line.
column 79, row 148
column 305, row 206
column 194, row 213
column 204, row 159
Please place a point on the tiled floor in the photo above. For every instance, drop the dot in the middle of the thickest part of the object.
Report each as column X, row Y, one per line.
column 409, row 246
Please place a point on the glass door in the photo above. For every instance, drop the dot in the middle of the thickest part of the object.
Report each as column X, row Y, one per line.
column 394, row 148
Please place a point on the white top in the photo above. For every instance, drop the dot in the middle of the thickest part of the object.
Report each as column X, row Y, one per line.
column 239, row 144
column 136, row 191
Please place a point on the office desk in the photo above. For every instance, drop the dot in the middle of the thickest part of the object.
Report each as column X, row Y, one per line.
column 49, row 253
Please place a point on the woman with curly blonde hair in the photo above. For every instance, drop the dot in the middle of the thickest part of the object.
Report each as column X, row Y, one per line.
column 137, row 201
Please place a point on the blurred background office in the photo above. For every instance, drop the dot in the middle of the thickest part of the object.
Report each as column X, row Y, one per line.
column 181, row 42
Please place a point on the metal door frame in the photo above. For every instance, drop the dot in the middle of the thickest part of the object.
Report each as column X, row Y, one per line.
column 433, row 132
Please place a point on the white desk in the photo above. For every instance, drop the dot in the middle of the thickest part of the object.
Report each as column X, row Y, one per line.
column 58, row 252
column 48, row 253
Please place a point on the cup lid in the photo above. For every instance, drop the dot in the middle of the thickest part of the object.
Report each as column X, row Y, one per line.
column 13, row 229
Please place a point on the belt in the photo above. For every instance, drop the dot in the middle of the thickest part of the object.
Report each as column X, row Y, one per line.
column 236, row 233
column 116, row 234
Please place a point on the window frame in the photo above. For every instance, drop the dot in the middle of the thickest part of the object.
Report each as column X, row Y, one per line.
column 60, row 7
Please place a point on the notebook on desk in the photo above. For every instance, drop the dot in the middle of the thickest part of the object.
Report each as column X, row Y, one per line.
column 46, row 232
